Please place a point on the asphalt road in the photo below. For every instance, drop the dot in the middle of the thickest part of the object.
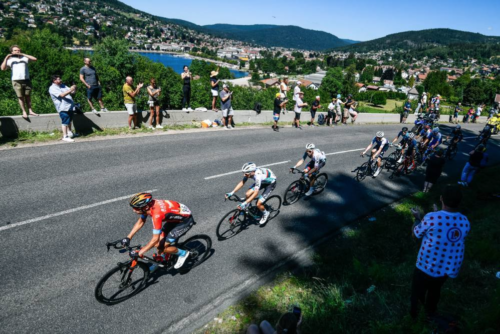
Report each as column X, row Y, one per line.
column 51, row 262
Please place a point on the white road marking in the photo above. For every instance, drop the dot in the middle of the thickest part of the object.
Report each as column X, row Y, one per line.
column 277, row 163
column 56, row 214
column 356, row 149
column 239, row 171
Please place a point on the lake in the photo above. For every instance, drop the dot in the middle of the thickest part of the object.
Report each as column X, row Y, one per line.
column 177, row 63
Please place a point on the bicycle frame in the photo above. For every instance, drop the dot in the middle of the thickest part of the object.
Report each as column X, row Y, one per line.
column 145, row 259
column 248, row 211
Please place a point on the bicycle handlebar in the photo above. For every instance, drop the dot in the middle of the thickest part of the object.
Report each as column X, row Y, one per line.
column 296, row 170
column 234, row 198
column 119, row 245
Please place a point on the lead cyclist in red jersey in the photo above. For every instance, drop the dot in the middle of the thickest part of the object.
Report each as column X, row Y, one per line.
column 170, row 220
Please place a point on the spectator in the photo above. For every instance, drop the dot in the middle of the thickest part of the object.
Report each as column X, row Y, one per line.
column 314, row 107
column 331, row 116
column 468, row 116
column 284, row 90
column 18, row 63
column 129, row 94
column 476, row 115
column 458, row 110
column 288, row 324
column 436, row 106
column 347, row 106
column 154, row 104
column 227, row 109
column 186, row 89
column 279, row 102
column 214, row 85
column 441, row 252
column 296, row 90
column 476, row 161
column 339, row 108
column 434, row 169
column 406, row 111
column 299, row 104
column 61, row 96
column 89, row 77
column 421, row 103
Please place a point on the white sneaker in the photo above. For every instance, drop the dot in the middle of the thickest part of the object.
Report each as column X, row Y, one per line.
column 181, row 260
column 377, row 172
column 68, row 139
column 159, row 126
column 104, row 110
column 310, row 192
column 70, row 134
column 189, row 109
column 94, row 111
column 265, row 215
column 184, row 109
column 400, row 160
column 151, row 127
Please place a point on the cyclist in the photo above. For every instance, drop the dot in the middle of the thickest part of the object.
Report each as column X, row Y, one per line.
column 424, row 133
column 380, row 146
column 170, row 220
column 456, row 135
column 406, row 111
column 432, row 142
column 404, row 141
column 411, row 149
column 485, row 134
column 318, row 161
column 264, row 179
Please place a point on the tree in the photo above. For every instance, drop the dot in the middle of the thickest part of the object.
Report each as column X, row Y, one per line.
column 332, row 82
column 411, row 81
column 379, row 98
column 349, row 82
column 367, row 75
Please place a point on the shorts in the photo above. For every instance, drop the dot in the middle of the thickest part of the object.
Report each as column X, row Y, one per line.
column 455, row 115
column 405, row 114
column 346, row 112
column 331, row 114
column 22, row 87
column 154, row 103
column 94, row 92
column 276, row 116
column 215, row 93
column 310, row 166
column 66, row 117
column 313, row 114
column 227, row 112
column 409, row 151
column 384, row 149
column 267, row 190
column 353, row 113
column 297, row 116
column 171, row 232
column 131, row 108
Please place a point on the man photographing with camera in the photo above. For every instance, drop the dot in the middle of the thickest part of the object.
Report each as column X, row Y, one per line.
column 227, row 109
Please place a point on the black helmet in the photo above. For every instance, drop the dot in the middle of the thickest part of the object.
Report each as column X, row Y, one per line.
column 404, row 129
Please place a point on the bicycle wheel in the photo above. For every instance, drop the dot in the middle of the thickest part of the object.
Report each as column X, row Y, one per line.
column 199, row 247
column 320, row 183
column 362, row 172
column 390, row 162
column 231, row 224
column 293, row 192
column 121, row 283
column 273, row 205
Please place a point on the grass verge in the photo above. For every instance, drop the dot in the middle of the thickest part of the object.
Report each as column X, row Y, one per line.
column 360, row 281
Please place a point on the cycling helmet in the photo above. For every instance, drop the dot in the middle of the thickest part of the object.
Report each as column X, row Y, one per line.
column 435, row 130
column 380, row 134
column 427, row 126
column 249, row 167
column 310, row 146
column 458, row 127
column 405, row 129
column 140, row 200
column 411, row 135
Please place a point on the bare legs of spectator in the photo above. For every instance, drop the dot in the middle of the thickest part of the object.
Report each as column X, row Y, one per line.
column 154, row 113
column 26, row 103
column 214, row 100
column 297, row 123
column 132, row 118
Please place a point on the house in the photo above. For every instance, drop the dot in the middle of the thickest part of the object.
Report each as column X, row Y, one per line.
column 376, row 80
column 371, row 87
column 413, row 94
column 388, row 83
column 361, row 87
column 497, row 98
column 421, row 77
column 273, row 82
column 452, row 78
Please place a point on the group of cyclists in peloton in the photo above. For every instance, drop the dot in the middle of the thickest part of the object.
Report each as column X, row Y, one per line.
column 172, row 219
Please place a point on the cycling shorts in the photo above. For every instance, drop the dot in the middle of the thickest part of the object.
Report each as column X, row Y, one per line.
column 409, row 151
column 384, row 149
column 267, row 190
column 170, row 232
column 311, row 164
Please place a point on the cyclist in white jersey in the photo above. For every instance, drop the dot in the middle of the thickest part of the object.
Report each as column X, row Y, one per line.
column 318, row 160
column 264, row 179
column 380, row 145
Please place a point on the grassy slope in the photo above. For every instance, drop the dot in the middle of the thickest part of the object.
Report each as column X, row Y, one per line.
column 333, row 293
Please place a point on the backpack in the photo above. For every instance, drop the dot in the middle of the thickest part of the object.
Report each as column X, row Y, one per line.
column 321, row 119
column 257, row 107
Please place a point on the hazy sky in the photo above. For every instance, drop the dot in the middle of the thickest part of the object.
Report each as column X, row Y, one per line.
column 358, row 20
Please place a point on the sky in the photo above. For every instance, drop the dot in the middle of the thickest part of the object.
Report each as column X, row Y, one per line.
column 359, row 20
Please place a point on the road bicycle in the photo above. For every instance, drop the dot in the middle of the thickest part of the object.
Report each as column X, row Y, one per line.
column 451, row 150
column 404, row 168
column 235, row 220
column 367, row 168
column 393, row 158
column 298, row 188
column 130, row 277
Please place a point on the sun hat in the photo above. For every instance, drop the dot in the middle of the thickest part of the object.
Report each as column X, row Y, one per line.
column 214, row 73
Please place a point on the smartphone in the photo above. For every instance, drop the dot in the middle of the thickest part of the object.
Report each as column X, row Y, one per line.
column 297, row 311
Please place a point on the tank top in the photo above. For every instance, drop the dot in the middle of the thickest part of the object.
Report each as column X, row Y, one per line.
column 153, row 90
column 187, row 81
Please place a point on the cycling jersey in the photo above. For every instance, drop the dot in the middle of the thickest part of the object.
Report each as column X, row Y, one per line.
column 457, row 135
column 412, row 144
column 318, row 157
column 262, row 177
column 377, row 144
column 404, row 137
column 435, row 138
column 425, row 133
column 163, row 211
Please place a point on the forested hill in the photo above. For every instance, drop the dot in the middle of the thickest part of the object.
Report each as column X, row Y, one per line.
column 420, row 39
column 282, row 36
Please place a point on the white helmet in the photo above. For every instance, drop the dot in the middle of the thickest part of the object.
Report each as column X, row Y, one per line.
column 380, row 134
column 249, row 167
column 310, row 146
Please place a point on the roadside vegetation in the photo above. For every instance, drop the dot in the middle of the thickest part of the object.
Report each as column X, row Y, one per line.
column 361, row 280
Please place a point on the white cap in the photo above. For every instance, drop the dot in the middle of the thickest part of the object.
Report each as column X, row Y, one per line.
column 317, row 97
column 225, row 86
column 299, row 83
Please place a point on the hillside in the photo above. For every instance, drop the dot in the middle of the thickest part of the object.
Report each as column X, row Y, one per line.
column 282, row 36
column 423, row 38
